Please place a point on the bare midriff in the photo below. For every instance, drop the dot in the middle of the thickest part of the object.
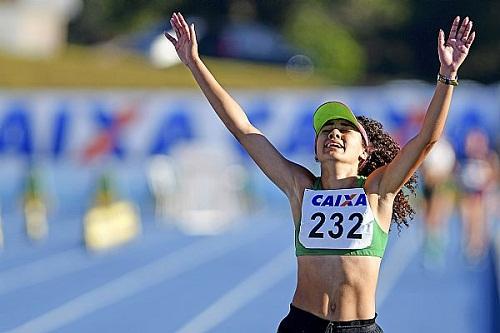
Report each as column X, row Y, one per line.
column 337, row 288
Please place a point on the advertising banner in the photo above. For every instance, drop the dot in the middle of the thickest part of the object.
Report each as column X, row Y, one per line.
column 88, row 125
column 72, row 137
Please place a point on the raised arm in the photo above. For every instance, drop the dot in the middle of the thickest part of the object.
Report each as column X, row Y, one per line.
column 451, row 53
column 281, row 171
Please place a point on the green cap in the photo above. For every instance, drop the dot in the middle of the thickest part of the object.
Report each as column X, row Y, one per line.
column 336, row 110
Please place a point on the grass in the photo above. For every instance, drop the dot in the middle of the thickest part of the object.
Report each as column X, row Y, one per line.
column 79, row 67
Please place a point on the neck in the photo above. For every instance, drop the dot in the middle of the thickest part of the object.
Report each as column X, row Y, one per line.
column 334, row 176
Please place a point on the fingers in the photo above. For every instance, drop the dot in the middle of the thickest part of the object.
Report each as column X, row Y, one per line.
column 441, row 38
column 469, row 41
column 467, row 31
column 180, row 25
column 462, row 29
column 193, row 32
column 170, row 38
column 181, row 28
column 175, row 27
column 183, row 22
column 454, row 28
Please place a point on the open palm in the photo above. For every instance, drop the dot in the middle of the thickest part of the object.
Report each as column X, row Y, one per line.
column 453, row 52
column 185, row 44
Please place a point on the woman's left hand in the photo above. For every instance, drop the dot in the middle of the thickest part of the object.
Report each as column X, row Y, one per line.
column 453, row 52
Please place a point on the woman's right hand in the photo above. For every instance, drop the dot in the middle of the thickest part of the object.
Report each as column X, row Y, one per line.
column 185, row 44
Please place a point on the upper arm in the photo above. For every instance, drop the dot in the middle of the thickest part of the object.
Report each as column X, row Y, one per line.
column 394, row 175
column 282, row 172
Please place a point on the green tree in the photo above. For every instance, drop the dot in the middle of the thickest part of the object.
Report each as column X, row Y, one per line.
column 332, row 48
column 351, row 41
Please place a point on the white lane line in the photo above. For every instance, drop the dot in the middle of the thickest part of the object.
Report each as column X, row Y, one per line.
column 51, row 267
column 401, row 255
column 266, row 277
column 41, row 270
column 138, row 280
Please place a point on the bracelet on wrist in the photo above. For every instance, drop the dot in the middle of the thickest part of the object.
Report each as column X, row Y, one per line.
column 446, row 80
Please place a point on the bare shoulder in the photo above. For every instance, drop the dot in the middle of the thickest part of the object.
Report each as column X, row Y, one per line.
column 372, row 183
column 303, row 178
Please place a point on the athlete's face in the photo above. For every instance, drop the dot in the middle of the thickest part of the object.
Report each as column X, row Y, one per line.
column 340, row 140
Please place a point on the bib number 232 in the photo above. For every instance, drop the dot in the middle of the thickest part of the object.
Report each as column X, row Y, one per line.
column 338, row 227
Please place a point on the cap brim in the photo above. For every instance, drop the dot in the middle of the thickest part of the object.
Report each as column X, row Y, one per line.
column 330, row 111
column 335, row 110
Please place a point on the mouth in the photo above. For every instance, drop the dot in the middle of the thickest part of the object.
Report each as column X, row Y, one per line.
column 334, row 145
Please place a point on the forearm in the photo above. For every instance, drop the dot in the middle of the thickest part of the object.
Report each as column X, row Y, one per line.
column 228, row 110
column 451, row 55
column 437, row 112
column 402, row 167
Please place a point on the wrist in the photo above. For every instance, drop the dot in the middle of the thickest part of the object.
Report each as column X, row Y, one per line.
column 193, row 63
column 446, row 80
column 448, row 72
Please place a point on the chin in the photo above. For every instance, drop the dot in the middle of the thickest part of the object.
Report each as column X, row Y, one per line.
column 332, row 154
column 329, row 158
column 333, row 157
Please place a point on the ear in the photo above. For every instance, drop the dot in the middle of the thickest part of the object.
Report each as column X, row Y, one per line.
column 364, row 155
column 363, row 158
column 316, row 158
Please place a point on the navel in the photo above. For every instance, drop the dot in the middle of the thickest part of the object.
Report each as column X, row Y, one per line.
column 333, row 307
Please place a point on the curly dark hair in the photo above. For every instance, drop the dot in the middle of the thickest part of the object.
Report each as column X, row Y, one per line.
column 382, row 151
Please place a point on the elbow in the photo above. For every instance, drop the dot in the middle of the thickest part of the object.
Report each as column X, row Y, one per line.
column 428, row 141
column 242, row 130
column 428, row 146
column 425, row 144
column 432, row 141
column 248, row 128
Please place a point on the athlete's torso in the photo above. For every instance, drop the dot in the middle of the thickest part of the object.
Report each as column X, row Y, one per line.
column 337, row 287
column 338, row 222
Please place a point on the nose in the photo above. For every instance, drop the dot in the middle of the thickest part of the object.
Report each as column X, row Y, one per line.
column 334, row 134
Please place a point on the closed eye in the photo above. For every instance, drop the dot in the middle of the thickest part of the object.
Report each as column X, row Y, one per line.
column 343, row 127
column 348, row 126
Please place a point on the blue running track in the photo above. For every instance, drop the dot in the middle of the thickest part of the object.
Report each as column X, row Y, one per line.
column 239, row 281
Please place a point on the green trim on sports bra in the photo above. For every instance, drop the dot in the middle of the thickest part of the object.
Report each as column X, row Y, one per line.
column 376, row 248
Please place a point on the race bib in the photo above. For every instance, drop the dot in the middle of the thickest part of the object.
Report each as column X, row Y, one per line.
column 336, row 219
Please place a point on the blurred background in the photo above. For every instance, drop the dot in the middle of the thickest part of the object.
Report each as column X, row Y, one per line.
column 127, row 206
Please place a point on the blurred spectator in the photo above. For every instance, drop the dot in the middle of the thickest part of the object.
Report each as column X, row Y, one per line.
column 35, row 210
column 109, row 222
column 105, row 194
column 163, row 184
column 438, row 198
column 478, row 175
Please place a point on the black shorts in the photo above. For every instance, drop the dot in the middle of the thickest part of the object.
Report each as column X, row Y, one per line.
column 300, row 321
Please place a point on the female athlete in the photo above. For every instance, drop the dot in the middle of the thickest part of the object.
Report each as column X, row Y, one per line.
column 342, row 217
